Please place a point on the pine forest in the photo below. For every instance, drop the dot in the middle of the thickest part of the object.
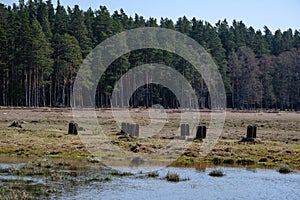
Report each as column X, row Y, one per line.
column 42, row 48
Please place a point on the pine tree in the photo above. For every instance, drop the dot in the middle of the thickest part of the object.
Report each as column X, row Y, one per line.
column 239, row 31
column 250, row 37
column 43, row 18
column 51, row 13
column 67, row 58
column 78, row 29
column 60, row 23
column 102, row 26
column 167, row 23
column 277, row 43
column 251, row 87
column 235, row 74
column 260, row 46
column 267, row 65
column 88, row 20
column 297, row 39
column 117, row 24
column 42, row 65
column 151, row 22
column 3, row 53
column 22, row 63
column 138, row 22
column 246, row 89
column 287, row 80
column 127, row 22
column 226, row 36
column 197, row 32
column 287, row 40
column 215, row 48
column 268, row 37
column 31, row 9
column 183, row 25
column 41, row 49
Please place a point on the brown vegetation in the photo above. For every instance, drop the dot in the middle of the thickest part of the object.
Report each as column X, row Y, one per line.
column 44, row 133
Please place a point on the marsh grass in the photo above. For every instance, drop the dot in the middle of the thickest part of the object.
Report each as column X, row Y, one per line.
column 97, row 179
column 245, row 161
column 153, row 174
column 216, row 173
column 20, row 189
column 172, row 177
column 107, row 179
column 48, row 174
column 46, row 134
column 41, row 167
column 30, row 169
column 118, row 173
column 284, row 169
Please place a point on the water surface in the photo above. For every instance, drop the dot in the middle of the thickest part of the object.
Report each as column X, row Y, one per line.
column 238, row 183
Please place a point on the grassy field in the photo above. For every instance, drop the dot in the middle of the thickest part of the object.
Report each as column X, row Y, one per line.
column 44, row 134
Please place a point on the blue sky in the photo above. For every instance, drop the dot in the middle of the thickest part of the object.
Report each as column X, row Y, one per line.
column 276, row 14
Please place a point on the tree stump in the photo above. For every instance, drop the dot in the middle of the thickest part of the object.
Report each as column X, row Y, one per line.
column 251, row 131
column 136, row 130
column 124, row 128
column 201, row 132
column 130, row 129
column 184, row 130
column 73, row 128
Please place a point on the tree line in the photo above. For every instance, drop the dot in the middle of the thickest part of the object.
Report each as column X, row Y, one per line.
column 42, row 47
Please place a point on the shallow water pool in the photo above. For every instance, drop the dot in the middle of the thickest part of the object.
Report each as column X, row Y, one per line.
column 238, row 183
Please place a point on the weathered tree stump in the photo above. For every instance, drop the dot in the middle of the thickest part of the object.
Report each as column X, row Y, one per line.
column 136, row 130
column 123, row 128
column 184, row 130
column 73, row 128
column 130, row 129
column 251, row 131
column 201, row 132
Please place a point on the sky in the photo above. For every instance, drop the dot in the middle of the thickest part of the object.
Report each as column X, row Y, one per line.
column 275, row 14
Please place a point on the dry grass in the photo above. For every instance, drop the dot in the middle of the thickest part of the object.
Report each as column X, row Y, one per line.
column 44, row 133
